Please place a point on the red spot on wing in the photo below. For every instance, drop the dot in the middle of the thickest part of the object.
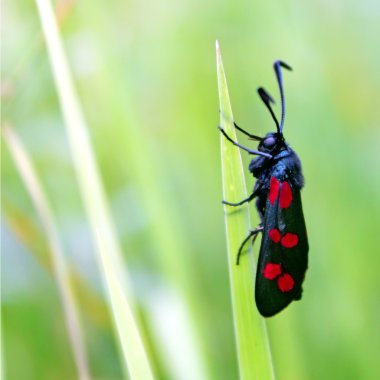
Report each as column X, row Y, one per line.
column 289, row 240
column 273, row 190
column 271, row 271
column 274, row 235
column 286, row 195
column 285, row 282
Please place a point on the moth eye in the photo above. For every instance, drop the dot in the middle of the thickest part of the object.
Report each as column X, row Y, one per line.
column 268, row 142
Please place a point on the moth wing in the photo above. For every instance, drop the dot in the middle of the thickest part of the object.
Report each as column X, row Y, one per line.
column 283, row 253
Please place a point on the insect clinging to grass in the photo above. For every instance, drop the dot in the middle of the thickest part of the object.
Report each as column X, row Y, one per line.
column 283, row 256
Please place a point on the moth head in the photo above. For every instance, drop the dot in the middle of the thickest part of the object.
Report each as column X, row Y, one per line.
column 272, row 142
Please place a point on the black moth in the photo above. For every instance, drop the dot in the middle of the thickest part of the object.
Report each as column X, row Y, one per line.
column 284, row 248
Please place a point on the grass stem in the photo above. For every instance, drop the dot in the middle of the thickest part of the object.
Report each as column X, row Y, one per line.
column 254, row 357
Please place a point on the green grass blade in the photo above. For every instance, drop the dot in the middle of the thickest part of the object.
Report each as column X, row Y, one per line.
column 108, row 249
column 59, row 266
column 253, row 350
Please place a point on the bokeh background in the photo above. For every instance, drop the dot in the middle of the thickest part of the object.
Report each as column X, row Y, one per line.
column 145, row 74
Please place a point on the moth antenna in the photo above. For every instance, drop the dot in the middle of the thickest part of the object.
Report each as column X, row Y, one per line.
column 267, row 100
column 277, row 68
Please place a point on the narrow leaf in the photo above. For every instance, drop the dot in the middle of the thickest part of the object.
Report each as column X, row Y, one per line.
column 108, row 248
column 252, row 343
column 60, row 269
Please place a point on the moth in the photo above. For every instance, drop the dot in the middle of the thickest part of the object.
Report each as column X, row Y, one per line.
column 283, row 257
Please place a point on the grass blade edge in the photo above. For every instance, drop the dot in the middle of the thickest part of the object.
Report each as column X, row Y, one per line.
column 254, row 357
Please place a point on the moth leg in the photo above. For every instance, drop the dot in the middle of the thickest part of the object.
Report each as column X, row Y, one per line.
column 252, row 234
column 253, row 137
column 253, row 195
column 250, row 151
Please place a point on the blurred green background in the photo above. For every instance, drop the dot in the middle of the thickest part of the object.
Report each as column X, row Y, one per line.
column 145, row 73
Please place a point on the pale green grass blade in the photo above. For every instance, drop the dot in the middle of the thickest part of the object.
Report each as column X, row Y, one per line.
column 60, row 270
column 108, row 249
column 252, row 343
